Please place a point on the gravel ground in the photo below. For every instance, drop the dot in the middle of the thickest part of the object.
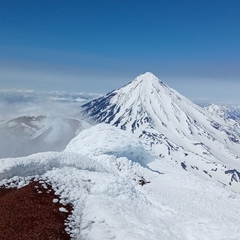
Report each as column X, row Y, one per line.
column 30, row 213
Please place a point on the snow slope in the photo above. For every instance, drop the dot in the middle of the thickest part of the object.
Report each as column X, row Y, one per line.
column 103, row 182
column 177, row 129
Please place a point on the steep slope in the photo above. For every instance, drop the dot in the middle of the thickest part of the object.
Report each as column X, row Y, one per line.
column 176, row 128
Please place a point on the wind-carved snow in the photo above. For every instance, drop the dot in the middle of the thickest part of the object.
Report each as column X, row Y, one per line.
column 175, row 128
column 111, row 141
column 99, row 173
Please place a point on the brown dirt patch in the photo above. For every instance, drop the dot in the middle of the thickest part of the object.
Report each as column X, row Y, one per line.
column 27, row 214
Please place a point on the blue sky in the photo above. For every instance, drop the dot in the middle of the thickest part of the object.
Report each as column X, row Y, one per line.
column 96, row 46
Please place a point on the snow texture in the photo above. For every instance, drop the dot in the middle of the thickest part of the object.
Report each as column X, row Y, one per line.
column 108, row 201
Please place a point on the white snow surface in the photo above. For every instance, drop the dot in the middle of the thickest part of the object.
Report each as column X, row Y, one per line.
column 176, row 129
column 99, row 173
column 110, row 141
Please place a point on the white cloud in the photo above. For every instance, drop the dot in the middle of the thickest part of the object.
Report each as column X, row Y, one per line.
column 33, row 103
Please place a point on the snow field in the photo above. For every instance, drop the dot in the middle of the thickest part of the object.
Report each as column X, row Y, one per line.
column 109, row 203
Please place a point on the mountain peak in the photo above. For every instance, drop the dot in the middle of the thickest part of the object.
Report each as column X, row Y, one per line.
column 176, row 129
column 135, row 101
column 147, row 77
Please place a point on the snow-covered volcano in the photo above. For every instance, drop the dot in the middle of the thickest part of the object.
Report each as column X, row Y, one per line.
column 176, row 128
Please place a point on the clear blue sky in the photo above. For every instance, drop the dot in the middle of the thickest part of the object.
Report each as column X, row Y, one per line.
column 96, row 46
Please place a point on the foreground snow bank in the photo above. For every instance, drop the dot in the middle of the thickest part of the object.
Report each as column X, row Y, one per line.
column 106, row 139
column 99, row 175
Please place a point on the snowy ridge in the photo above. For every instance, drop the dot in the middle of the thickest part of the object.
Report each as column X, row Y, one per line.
column 176, row 128
column 219, row 110
column 225, row 112
column 110, row 141
column 108, row 201
column 230, row 110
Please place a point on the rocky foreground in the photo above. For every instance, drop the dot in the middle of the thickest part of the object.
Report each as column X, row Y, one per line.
column 32, row 212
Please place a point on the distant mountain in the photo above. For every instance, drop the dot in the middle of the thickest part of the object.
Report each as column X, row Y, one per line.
column 219, row 110
column 177, row 129
column 25, row 135
column 231, row 111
